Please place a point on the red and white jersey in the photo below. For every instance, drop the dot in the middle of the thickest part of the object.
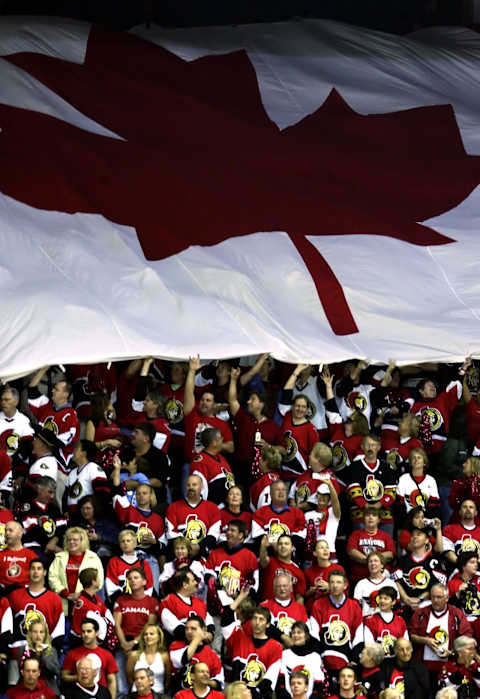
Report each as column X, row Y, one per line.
column 418, row 491
column 93, row 608
column 260, row 491
column 203, row 654
column 195, row 423
column 366, row 593
column 325, row 524
column 6, row 482
column 13, row 430
column 401, row 446
column 44, row 466
column 190, row 694
column 14, row 566
column 310, row 664
column 28, row 607
column 340, row 629
column 108, row 666
column 385, row 628
column 344, row 449
column 196, row 522
column 472, row 413
column 313, row 575
column 285, row 614
column 457, row 537
column 290, row 521
column 116, row 575
column 254, row 664
column 304, row 488
column 216, row 476
column 232, row 569
column 163, row 434
column 228, row 516
column 438, row 411
column 135, row 612
column 85, row 480
column 62, row 421
column 277, row 567
column 139, row 521
column 6, row 617
column 357, row 400
column 176, row 610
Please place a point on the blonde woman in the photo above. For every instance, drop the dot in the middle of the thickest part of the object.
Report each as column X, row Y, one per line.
column 38, row 645
column 66, row 566
column 152, row 655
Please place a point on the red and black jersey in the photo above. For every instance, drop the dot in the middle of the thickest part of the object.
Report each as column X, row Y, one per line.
column 472, row 413
column 254, row 661
column 344, row 449
column 195, row 423
column 28, row 607
column 298, row 441
column 417, row 575
column 139, row 521
column 438, row 411
column 176, row 610
column 260, row 490
column 135, row 612
column 199, row 523
column 340, row 630
column 458, row 538
column 216, row 476
column 41, row 522
column 6, row 478
column 289, row 521
column 469, row 597
column 233, row 569
column 379, row 630
column 284, row 615
column 116, row 576
column 277, row 567
column 370, row 484
column 203, row 654
column 62, row 421
column 6, row 625
column 190, row 694
column 246, row 427
column 173, row 410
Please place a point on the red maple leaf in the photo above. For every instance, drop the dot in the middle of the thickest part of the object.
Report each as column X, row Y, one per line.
column 201, row 161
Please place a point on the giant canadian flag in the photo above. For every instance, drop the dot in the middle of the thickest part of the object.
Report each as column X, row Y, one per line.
column 307, row 188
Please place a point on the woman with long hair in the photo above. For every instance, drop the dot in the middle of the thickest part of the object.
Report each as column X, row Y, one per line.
column 234, row 508
column 367, row 589
column 102, row 428
column 151, row 654
column 38, row 645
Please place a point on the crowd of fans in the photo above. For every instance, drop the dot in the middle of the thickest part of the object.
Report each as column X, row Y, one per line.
column 240, row 528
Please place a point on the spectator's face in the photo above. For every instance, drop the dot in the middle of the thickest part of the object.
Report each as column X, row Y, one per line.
column 60, row 393
column 89, row 634
column 299, row 409
column 86, row 672
column 337, row 585
column 8, row 403
column 37, row 632
column 254, row 405
column 87, row 510
column 282, row 587
column 206, row 404
column 346, row 680
column 439, row 599
column 370, row 448
column 30, row 673
column 403, row 650
column 284, row 547
column 194, row 488
column 468, row 511
column 429, row 391
column 136, row 581
column 13, row 533
column 465, row 656
column 201, row 673
column 180, row 550
column 128, row 543
column 36, row 573
column 375, row 566
column 371, row 520
column 385, row 603
column 278, row 492
column 322, row 551
column 233, row 535
column 143, row 682
column 151, row 636
column 298, row 686
column 74, row 544
column 138, row 438
column 298, row 636
column 45, row 493
column 177, row 373
column 190, row 587
column 259, row 624
column 471, row 566
column 191, row 630
column 143, row 496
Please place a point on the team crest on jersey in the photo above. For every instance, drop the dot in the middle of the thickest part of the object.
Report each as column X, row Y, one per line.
column 13, row 570
column 32, row 616
column 142, row 530
column 356, row 401
column 48, row 525
column 311, row 408
column 254, row 671
column 473, row 378
column 419, row 578
column 303, row 493
column 285, row 623
column 195, row 530
column 337, row 633
column 276, row 529
column 373, row 598
column 229, row 578
column 388, row 643
column 340, row 456
column 434, row 417
column 416, row 499
column 440, row 635
column 173, row 411
column 75, row 490
column 469, row 544
column 9, row 441
column 393, row 459
column 188, row 682
column 51, row 425
column 472, row 601
column 373, row 490
column 291, row 446
column 399, row 685
column 229, row 478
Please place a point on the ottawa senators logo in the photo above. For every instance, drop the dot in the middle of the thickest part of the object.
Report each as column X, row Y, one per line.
column 229, row 578
column 356, row 401
column 469, row 544
column 2, row 536
column 32, row 616
column 13, row 570
column 48, row 526
column 51, row 425
column 9, row 441
column 173, row 411
column 291, row 446
column 472, row 602
column 302, row 669
column 302, row 494
column 373, row 598
column 434, row 417
column 254, row 671
column 141, row 531
column 285, row 623
column 388, row 644
column 393, row 459
column 196, row 530
column 373, row 490
column 75, row 490
column 337, row 633
column 473, row 378
column 419, row 578
column 340, row 456
column 399, row 685
column 229, row 479
column 416, row 499
column 276, row 529
column 440, row 635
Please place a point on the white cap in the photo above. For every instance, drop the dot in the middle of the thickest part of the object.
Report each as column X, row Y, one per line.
column 323, row 489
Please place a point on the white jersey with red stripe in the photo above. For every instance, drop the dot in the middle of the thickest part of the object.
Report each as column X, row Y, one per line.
column 13, row 430
column 85, row 480
column 438, row 411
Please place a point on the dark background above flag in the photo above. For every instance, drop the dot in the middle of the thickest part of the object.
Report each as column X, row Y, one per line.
column 397, row 16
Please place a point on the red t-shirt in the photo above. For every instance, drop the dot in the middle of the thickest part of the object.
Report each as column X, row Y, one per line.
column 275, row 567
column 14, row 566
column 109, row 666
column 135, row 612
column 195, row 423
